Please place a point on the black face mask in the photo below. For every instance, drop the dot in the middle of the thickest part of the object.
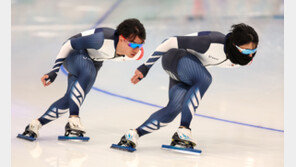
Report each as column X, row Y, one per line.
column 234, row 55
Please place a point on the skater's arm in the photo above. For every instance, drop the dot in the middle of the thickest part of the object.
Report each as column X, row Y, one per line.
column 168, row 44
column 62, row 55
column 197, row 42
column 142, row 71
column 48, row 78
column 90, row 39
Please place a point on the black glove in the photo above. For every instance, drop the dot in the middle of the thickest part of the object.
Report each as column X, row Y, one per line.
column 143, row 69
column 51, row 76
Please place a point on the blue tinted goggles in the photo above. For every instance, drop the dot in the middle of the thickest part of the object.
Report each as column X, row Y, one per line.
column 134, row 45
column 246, row 51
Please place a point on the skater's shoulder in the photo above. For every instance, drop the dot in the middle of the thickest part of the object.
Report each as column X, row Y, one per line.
column 108, row 32
column 214, row 36
column 105, row 30
column 206, row 33
column 210, row 33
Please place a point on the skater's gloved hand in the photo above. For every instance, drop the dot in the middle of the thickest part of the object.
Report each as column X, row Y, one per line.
column 137, row 77
column 50, row 76
column 143, row 69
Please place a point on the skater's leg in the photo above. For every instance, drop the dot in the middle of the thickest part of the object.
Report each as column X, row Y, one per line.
column 79, row 90
column 85, row 72
column 167, row 114
column 59, row 107
column 81, row 69
column 191, row 101
column 192, row 72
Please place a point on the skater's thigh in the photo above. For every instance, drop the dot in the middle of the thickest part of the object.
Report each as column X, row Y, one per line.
column 79, row 64
column 170, row 62
column 191, row 71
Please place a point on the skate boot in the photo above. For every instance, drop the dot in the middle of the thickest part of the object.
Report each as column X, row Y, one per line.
column 130, row 139
column 182, row 142
column 183, row 138
column 32, row 131
column 74, row 130
column 128, row 142
column 74, row 127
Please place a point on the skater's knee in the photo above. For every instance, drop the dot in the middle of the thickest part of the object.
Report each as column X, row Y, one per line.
column 205, row 80
column 171, row 116
column 208, row 79
column 62, row 102
column 88, row 75
column 175, row 105
column 171, row 113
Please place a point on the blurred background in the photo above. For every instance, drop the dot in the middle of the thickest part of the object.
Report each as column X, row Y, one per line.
column 240, row 121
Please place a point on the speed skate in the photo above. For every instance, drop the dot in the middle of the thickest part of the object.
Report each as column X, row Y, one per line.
column 72, row 134
column 182, row 142
column 31, row 131
column 128, row 141
column 74, row 130
column 29, row 138
column 182, row 149
column 123, row 148
column 82, row 138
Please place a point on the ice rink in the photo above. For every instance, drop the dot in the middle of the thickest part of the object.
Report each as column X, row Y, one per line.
column 240, row 122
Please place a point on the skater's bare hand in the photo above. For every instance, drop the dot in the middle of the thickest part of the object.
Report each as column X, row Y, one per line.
column 44, row 79
column 137, row 77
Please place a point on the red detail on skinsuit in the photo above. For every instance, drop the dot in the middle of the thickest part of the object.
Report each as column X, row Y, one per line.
column 142, row 54
column 250, row 62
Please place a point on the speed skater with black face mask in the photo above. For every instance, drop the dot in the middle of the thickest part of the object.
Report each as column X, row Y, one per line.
column 186, row 59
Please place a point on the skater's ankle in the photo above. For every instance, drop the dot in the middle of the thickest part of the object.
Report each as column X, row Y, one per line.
column 137, row 132
column 73, row 116
column 184, row 127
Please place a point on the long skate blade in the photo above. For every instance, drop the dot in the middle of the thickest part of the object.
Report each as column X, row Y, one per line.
column 26, row 137
column 73, row 138
column 123, row 148
column 182, row 150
